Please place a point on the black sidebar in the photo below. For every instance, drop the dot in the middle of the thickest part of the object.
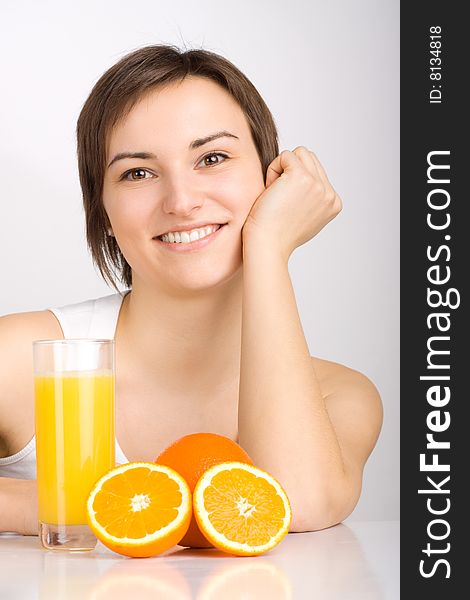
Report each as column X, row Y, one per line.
column 435, row 358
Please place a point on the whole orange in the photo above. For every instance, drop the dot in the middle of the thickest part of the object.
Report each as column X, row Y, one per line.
column 191, row 456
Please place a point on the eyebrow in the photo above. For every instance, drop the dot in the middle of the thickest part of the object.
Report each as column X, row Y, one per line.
column 197, row 143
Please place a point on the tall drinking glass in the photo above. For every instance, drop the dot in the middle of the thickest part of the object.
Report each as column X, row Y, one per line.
column 74, row 404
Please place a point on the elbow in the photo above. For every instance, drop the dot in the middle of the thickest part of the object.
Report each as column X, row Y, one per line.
column 322, row 512
column 313, row 520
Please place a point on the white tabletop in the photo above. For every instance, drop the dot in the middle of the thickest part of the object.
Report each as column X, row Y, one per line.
column 349, row 561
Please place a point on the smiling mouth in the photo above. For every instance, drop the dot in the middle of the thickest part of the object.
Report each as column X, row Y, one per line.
column 187, row 237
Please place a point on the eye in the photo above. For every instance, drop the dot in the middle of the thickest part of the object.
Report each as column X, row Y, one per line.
column 141, row 174
column 212, row 160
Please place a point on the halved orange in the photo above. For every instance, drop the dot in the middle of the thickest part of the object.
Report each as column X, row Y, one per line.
column 241, row 509
column 140, row 509
column 191, row 455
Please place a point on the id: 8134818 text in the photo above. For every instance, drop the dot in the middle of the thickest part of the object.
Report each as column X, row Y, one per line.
column 435, row 64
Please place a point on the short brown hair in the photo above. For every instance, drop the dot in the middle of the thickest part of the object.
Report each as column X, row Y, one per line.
column 113, row 97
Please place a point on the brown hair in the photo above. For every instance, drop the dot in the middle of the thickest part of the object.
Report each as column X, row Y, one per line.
column 113, row 97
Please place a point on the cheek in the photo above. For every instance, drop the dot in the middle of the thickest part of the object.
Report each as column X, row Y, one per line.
column 249, row 194
column 240, row 191
column 128, row 208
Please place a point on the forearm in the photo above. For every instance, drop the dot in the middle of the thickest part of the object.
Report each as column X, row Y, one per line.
column 283, row 422
column 18, row 506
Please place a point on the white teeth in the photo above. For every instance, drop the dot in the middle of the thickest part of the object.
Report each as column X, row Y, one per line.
column 185, row 237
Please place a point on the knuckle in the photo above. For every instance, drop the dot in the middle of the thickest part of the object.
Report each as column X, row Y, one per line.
column 330, row 196
column 338, row 205
column 309, row 181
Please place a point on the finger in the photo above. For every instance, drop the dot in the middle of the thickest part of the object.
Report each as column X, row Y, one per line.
column 306, row 158
column 320, row 169
column 311, row 158
column 285, row 161
column 338, row 203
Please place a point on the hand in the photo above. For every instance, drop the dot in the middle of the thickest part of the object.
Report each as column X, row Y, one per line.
column 297, row 203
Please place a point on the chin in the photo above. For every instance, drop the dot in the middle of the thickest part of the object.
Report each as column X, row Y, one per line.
column 200, row 280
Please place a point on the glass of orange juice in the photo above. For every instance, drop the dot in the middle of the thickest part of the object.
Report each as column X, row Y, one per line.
column 74, row 415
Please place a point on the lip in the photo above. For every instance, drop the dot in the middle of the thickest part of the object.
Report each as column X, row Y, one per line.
column 190, row 246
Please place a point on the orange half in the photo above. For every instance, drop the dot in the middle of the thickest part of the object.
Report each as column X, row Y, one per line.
column 241, row 509
column 140, row 509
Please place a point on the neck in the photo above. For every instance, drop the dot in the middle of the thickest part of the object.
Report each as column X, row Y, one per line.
column 184, row 336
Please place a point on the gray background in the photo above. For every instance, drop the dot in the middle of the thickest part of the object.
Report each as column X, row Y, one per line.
column 328, row 70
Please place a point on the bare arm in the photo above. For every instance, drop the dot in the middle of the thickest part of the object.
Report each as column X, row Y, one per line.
column 313, row 432
column 314, row 441
column 18, row 506
column 18, row 497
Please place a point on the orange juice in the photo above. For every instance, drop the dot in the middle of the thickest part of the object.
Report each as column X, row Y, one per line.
column 74, row 441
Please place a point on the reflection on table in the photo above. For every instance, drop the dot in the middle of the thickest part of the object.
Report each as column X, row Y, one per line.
column 357, row 560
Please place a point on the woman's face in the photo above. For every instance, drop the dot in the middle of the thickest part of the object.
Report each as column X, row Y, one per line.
column 181, row 181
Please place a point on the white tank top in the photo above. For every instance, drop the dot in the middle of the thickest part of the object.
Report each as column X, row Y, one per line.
column 89, row 319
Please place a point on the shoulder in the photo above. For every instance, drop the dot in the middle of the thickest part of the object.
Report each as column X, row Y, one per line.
column 17, row 333
column 20, row 329
column 354, row 405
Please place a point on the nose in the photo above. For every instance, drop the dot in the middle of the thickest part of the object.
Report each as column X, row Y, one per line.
column 181, row 197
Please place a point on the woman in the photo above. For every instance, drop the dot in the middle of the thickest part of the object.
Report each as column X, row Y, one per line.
column 190, row 205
